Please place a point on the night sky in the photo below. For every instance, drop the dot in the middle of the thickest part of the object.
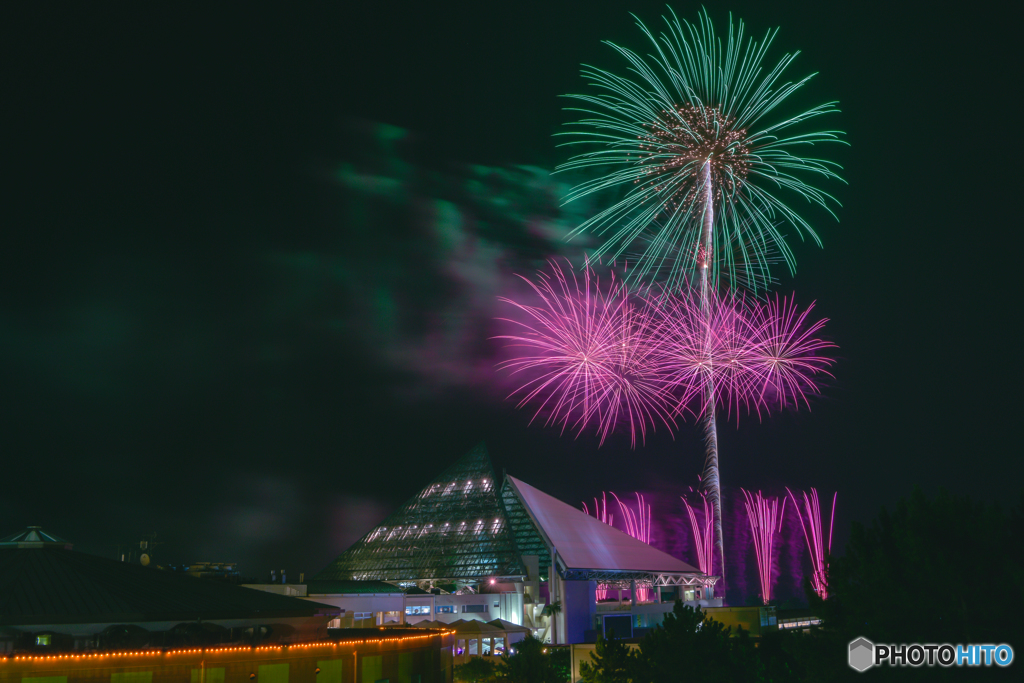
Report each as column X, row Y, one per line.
column 250, row 265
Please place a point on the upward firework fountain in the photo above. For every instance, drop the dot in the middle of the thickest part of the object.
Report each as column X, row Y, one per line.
column 765, row 523
column 810, row 522
column 638, row 525
column 703, row 534
column 604, row 591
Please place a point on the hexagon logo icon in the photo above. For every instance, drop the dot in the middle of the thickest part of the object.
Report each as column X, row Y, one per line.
column 862, row 654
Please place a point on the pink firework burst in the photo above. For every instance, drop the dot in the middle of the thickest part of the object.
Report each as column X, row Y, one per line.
column 593, row 355
column 765, row 523
column 587, row 354
column 785, row 355
column 811, row 523
column 737, row 353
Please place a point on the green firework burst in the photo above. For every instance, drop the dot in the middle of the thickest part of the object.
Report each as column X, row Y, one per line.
column 698, row 118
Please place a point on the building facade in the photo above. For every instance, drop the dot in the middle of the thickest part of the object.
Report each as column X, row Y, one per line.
column 470, row 546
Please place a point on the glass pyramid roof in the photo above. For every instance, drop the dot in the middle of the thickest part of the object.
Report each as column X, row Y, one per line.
column 455, row 528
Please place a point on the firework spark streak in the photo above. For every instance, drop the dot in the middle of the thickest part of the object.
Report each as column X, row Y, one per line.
column 638, row 525
column 819, row 551
column 589, row 351
column 703, row 535
column 765, row 522
column 601, row 358
column 601, row 512
column 745, row 354
column 697, row 120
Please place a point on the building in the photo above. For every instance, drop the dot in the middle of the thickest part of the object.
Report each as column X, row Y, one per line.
column 69, row 616
column 469, row 546
column 399, row 656
column 54, row 598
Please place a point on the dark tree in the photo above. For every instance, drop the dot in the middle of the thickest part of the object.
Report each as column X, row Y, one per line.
column 476, row 670
column 933, row 571
column 534, row 662
column 612, row 661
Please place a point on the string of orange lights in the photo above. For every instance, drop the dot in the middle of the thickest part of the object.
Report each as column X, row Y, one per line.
column 205, row 651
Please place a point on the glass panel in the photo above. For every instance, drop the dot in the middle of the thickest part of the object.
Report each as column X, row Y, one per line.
column 485, row 646
column 404, row 667
column 138, row 677
column 373, row 669
column 270, row 673
column 473, row 646
column 461, row 650
column 499, row 646
column 209, row 675
column 330, row 670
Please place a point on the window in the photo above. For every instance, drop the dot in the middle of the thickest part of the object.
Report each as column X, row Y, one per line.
column 499, row 646
column 417, row 609
column 210, row 675
column 445, row 609
column 373, row 668
column 134, row 677
column 330, row 670
column 43, row 640
column 485, row 646
column 497, row 604
column 473, row 646
column 461, row 649
column 474, row 608
column 272, row 673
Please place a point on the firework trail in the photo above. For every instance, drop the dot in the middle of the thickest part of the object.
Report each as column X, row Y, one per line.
column 703, row 535
column 588, row 356
column 765, row 522
column 638, row 525
column 601, row 512
column 816, row 546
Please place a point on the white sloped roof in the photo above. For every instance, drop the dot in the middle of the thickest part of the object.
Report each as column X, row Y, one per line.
column 586, row 543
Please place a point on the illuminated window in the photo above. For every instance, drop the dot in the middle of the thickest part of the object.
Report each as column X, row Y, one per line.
column 446, row 609
column 43, row 640
column 417, row 609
